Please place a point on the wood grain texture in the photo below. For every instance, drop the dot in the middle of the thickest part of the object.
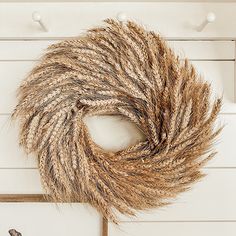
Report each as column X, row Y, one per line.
column 104, row 227
column 23, row 198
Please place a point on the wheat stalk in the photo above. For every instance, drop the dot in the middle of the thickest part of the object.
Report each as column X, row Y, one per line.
column 120, row 69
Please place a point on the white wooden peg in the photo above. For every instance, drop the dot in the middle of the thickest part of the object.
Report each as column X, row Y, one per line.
column 37, row 18
column 121, row 17
column 209, row 19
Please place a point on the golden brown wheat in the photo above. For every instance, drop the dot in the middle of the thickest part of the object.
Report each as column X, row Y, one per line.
column 120, row 69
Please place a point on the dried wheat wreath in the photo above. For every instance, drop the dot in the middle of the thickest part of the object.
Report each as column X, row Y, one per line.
column 118, row 69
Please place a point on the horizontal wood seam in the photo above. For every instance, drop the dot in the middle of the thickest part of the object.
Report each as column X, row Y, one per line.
column 195, row 39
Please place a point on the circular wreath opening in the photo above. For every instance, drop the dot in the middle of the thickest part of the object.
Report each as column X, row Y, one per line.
column 113, row 133
column 119, row 69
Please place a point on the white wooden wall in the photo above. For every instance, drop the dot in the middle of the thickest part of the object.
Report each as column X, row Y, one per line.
column 210, row 207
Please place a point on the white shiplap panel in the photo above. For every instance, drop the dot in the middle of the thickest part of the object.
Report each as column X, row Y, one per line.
column 194, row 50
column 18, row 181
column 40, row 219
column 12, row 73
column 23, row 50
column 102, row 131
column 11, row 155
column 176, row 20
column 221, row 76
column 225, row 142
column 204, row 50
column 220, row 73
column 173, row 228
column 211, row 199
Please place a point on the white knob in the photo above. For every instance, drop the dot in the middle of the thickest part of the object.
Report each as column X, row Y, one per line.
column 37, row 18
column 121, row 16
column 209, row 19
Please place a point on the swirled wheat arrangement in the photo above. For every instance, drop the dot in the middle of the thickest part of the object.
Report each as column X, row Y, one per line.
column 119, row 69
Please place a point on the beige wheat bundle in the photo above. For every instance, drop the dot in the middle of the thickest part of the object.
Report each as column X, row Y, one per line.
column 118, row 69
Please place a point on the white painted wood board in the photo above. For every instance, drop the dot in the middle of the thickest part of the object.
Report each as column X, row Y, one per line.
column 194, row 50
column 211, row 199
column 173, row 228
column 219, row 73
column 39, row 219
